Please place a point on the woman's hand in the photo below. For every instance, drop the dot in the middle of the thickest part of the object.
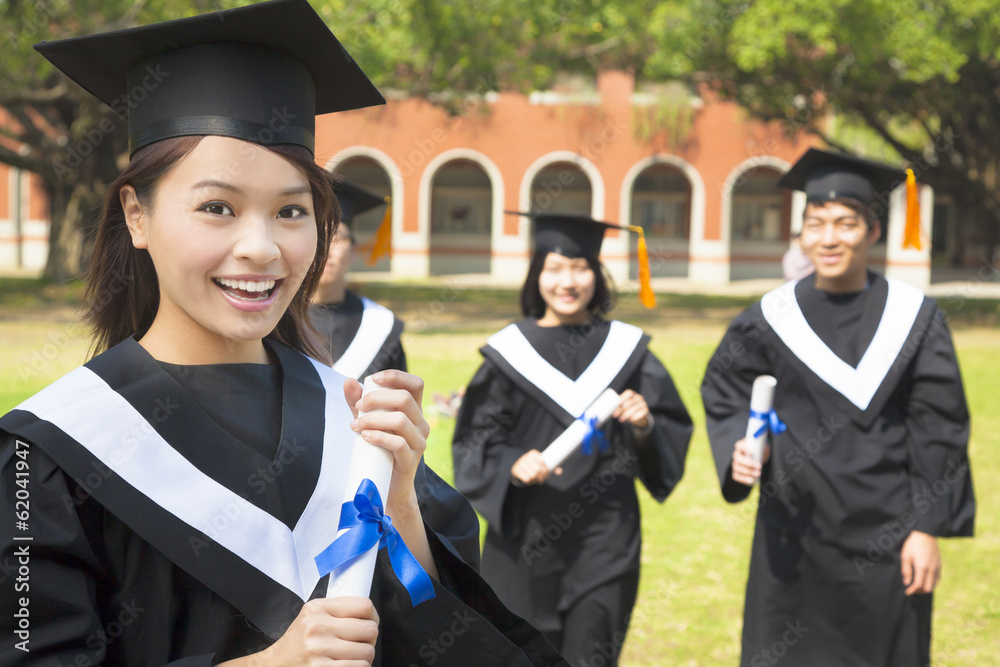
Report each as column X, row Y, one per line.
column 632, row 409
column 745, row 469
column 531, row 469
column 394, row 420
column 340, row 629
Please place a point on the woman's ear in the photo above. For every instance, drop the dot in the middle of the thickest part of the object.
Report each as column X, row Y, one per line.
column 135, row 218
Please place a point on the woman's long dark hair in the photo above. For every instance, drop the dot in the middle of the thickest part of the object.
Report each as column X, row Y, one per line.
column 123, row 293
column 533, row 305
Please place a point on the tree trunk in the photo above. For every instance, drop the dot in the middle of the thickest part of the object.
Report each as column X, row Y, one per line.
column 65, row 237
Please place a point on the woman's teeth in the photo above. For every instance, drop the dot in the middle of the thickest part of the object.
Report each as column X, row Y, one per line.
column 247, row 290
column 247, row 285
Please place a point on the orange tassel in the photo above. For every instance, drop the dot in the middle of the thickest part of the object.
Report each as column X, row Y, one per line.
column 911, row 233
column 382, row 240
column 646, row 295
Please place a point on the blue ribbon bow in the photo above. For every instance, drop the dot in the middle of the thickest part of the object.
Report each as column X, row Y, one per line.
column 771, row 422
column 593, row 436
column 366, row 525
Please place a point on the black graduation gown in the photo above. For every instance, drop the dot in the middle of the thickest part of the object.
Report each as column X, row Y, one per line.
column 869, row 387
column 547, row 545
column 362, row 336
column 199, row 566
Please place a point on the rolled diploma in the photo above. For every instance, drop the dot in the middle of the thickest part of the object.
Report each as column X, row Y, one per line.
column 762, row 401
column 375, row 463
column 573, row 436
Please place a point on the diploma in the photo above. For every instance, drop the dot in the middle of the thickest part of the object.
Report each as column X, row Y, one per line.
column 573, row 436
column 761, row 407
column 367, row 462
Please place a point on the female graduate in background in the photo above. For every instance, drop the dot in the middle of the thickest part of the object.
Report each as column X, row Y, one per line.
column 182, row 482
column 563, row 549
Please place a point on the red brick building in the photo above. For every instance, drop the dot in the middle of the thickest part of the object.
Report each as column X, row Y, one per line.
column 695, row 173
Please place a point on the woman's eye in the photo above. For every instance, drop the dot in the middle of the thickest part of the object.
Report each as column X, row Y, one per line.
column 292, row 212
column 216, row 208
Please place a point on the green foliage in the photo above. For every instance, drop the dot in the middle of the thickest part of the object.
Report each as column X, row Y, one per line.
column 911, row 81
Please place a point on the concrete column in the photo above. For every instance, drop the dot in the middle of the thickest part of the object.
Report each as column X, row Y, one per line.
column 909, row 265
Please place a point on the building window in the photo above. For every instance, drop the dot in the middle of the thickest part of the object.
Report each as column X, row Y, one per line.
column 759, row 207
column 561, row 187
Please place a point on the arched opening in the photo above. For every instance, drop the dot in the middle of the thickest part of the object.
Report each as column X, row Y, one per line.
column 561, row 187
column 461, row 219
column 370, row 175
column 759, row 224
column 661, row 205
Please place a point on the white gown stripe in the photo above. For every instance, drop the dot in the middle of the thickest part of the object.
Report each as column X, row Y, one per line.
column 319, row 524
column 84, row 407
column 574, row 396
column 858, row 385
column 375, row 327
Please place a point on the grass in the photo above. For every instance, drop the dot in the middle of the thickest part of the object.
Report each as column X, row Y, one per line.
column 696, row 547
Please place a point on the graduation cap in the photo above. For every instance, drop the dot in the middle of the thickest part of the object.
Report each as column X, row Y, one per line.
column 825, row 176
column 259, row 73
column 576, row 235
column 355, row 200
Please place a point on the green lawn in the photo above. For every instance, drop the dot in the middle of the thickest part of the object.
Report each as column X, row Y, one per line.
column 696, row 547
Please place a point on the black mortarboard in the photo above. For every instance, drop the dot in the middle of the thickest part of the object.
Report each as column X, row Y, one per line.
column 568, row 234
column 354, row 200
column 259, row 73
column 824, row 175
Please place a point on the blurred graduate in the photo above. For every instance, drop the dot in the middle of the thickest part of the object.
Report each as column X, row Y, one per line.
column 363, row 338
column 872, row 468
column 562, row 549
column 184, row 481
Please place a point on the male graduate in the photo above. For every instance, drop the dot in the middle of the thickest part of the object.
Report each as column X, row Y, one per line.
column 362, row 336
column 873, row 466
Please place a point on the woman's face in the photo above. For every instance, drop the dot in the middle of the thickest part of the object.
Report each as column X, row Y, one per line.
column 232, row 235
column 567, row 286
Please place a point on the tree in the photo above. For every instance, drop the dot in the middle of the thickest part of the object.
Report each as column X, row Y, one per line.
column 51, row 126
column 440, row 49
column 922, row 77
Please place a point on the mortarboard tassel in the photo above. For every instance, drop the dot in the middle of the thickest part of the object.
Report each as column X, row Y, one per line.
column 382, row 241
column 911, row 233
column 646, row 295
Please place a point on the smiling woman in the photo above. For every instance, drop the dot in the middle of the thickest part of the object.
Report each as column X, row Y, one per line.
column 247, row 181
column 255, row 228
column 565, row 543
column 191, row 478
